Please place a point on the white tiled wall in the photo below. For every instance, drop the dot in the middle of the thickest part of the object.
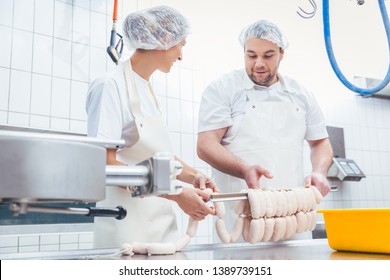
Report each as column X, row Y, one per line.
column 45, row 242
column 52, row 49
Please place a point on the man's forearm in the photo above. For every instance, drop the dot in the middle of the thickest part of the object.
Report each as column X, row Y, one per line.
column 321, row 156
column 220, row 158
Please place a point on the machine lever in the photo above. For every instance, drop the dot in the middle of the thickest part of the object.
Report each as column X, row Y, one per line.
column 118, row 213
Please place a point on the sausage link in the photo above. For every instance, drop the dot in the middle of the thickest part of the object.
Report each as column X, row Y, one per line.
column 182, row 242
column 222, row 232
column 168, row 248
column 237, row 229
column 269, row 224
column 192, row 227
column 279, row 229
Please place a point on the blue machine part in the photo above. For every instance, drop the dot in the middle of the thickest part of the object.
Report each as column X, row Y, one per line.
column 329, row 50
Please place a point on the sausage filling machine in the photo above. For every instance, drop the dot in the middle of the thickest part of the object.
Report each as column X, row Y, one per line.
column 37, row 168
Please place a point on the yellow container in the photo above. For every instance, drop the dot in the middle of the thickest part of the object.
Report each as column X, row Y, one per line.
column 360, row 230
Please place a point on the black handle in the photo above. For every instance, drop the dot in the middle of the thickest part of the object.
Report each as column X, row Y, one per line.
column 119, row 212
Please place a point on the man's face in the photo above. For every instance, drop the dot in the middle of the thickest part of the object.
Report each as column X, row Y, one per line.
column 262, row 58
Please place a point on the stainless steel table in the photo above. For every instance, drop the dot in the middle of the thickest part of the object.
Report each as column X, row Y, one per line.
column 315, row 249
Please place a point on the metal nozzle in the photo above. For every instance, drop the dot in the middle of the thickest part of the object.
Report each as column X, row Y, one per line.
column 360, row 2
column 115, row 48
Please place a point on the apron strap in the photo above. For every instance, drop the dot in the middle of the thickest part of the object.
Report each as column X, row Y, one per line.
column 134, row 99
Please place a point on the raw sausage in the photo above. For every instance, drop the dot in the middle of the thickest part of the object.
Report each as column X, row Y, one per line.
column 279, row 203
column 303, row 198
column 182, row 242
column 270, row 204
column 313, row 220
column 284, row 203
column 168, row 248
column 254, row 203
column 279, row 229
column 256, row 230
column 262, row 202
column 239, row 206
column 317, row 193
column 294, row 222
column 289, row 228
column 294, row 203
column 290, row 210
column 269, row 224
column 222, row 232
column 245, row 230
column 237, row 229
column 308, row 221
column 301, row 221
column 126, row 249
column 313, row 200
column 140, row 248
column 192, row 227
column 220, row 209
column 297, row 194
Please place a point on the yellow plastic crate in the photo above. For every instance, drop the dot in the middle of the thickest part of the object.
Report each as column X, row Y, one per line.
column 359, row 230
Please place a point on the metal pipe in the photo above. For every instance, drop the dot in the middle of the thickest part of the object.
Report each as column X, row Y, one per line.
column 137, row 175
column 126, row 181
column 118, row 170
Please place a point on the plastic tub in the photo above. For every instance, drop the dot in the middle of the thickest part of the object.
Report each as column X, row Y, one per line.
column 359, row 230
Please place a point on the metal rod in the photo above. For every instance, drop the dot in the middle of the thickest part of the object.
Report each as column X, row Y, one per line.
column 58, row 210
column 119, row 212
column 118, row 170
column 106, row 143
column 228, row 197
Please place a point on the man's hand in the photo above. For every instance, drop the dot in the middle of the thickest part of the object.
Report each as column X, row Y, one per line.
column 253, row 174
column 319, row 181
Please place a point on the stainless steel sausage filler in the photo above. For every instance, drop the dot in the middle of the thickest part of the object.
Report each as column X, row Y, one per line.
column 37, row 168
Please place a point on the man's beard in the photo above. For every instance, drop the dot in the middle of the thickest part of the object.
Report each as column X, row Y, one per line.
column 265, row 83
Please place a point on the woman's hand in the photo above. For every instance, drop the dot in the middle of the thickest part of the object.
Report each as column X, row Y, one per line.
column 192, row 202
column 201, row 181
column 196, row 178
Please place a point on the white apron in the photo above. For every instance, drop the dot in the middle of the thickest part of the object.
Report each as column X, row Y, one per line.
column 271, row 135
column 149, row 219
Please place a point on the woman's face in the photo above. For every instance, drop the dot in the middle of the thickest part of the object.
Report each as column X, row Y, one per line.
column 170, row 56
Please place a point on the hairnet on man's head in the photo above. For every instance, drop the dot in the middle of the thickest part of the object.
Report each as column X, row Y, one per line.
column 263, row 29
column 157, row 28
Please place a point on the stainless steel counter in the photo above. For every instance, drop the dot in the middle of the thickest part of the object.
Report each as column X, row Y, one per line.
column 315, row 249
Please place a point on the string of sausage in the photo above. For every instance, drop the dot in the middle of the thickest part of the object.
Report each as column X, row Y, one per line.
column 274, row 215
column 163, row 248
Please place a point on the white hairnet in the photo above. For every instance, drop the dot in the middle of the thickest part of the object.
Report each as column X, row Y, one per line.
column 263, row 29
column 157, row 28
